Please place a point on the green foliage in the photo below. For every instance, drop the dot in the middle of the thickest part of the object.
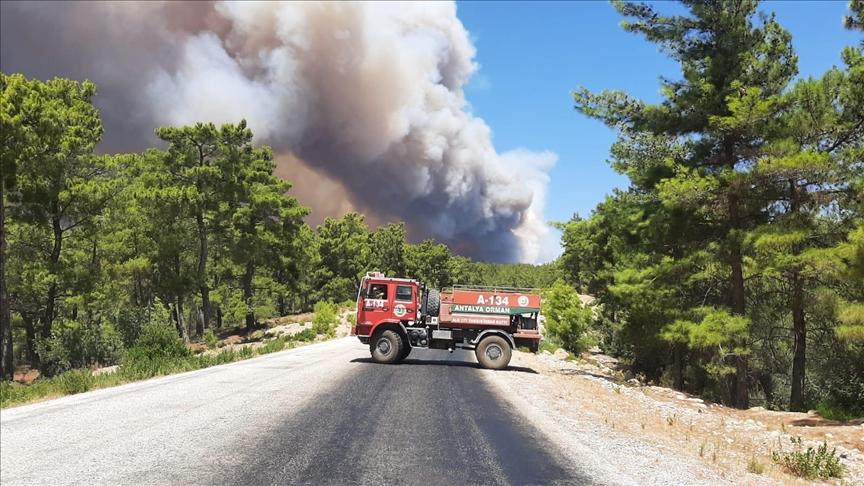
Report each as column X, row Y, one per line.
column 755, row 467
column 832, row 411
column 326, row 318
column 735, row 245
column 79, row 345
column 210, row 338
column 306, row 335
column 855, row 19
column 819, row 463
column 75, row 381
column 429, row 263
column 157, row 341
column 149, row 359
column 567, row 319
column 387, row 250
column 343, row 245
column 716, row 329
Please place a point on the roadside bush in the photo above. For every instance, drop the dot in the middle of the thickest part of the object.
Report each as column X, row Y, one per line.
column 210, row 338
column 75, row 381
column 76, row 344
column 837, row 388
column 811, row 463
column 157, row 351
column 307, row 334
column 129, row 320
column 567, row 320
column 326, row 318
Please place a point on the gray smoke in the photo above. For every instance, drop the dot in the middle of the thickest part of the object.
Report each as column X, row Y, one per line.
column 362, row 101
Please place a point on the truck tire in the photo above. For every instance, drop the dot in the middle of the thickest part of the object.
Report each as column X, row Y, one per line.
column 406, row 350
column 433, row 303
column 386, row 347
column 493, row 352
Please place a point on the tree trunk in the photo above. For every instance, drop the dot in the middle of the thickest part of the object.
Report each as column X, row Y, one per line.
column 799, row 329
column 678, row 368
column 740, row 389
column 202, row 275
column 218, row 317
column 799, row 324
column 30, row 346
column 767, row 383
column 6, row 363
column 281, row 304
column 54, row 259
column 247, row 295
column 178, row 314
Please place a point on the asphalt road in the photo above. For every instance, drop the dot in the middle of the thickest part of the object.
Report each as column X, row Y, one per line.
column 321, row 414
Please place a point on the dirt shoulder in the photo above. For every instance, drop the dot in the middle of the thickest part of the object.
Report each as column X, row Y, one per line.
column 653, row 435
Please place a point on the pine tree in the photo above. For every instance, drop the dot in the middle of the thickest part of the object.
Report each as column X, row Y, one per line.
column 734, row 73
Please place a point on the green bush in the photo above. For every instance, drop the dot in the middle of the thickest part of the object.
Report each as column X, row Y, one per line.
column 158, row 341
column 157, row 351
column 833, row 411
column 210, row 338
column 326, row 318
column 567, row 320
column 76, row 344
column 75, row 381
column 811, row 463
column 307, row 334
column 129, row 320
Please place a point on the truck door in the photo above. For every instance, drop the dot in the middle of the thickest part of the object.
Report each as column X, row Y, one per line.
column 378, row 302
column 403, row 303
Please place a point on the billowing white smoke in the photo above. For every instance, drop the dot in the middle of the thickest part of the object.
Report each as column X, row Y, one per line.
column 369, row 94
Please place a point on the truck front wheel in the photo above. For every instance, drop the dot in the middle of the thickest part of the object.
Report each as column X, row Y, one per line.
column 387, row 347
column 493, row 353
column 406, row 349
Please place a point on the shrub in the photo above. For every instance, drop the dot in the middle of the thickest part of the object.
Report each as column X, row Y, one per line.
column 75, row 381
column 304, row 335
column 273, row 346
column 755, row 467
column 130, row 320
column 811, row 463
column 210, row 338
column 326, row 318
column 76, row 344
column 159, row 341
column 567, row 320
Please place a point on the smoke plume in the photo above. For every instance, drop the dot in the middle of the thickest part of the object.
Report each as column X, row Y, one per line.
column 362, row 102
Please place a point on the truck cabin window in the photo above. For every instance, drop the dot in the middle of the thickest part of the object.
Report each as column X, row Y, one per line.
column 378, row 291
column 403, row 292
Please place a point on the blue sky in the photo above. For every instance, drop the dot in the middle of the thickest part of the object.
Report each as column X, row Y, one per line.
column 533, row 54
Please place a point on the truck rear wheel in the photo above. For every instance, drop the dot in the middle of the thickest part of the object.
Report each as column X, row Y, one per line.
column 493, row 353
column 387, row 347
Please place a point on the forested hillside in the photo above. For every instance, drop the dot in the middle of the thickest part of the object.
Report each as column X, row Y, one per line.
column 733, row 264
column 95, row 246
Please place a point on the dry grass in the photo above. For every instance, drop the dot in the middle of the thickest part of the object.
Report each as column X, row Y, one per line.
column 735, row 441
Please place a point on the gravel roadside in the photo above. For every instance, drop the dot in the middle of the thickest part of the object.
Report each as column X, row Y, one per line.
column 647, row 435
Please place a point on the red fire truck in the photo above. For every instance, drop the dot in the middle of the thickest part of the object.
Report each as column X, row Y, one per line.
column 395, row 315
